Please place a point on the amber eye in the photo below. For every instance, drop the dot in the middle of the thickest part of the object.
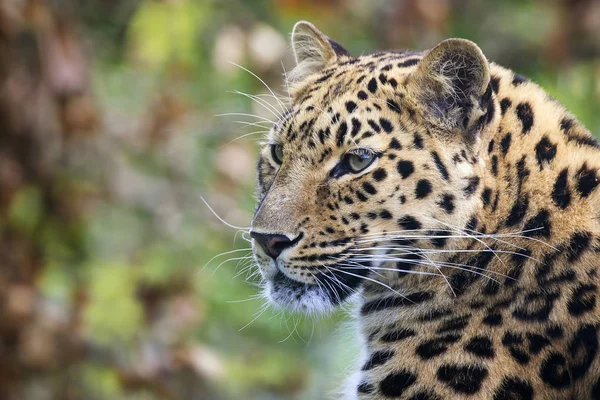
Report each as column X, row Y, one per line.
column 277, row 153
column 359, row 159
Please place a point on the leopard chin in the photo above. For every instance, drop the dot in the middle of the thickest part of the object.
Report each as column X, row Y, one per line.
column 294, row 296
column 323, row 295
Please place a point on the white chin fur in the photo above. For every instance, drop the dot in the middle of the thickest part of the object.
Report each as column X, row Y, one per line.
column 312, row 301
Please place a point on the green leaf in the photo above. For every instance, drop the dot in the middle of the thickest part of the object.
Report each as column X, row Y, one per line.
column 163, row 32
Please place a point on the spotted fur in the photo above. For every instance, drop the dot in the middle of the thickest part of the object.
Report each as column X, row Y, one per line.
column 472, row 241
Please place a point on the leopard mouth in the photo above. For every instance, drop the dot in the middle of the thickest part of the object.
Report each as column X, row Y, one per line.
column 331, row 289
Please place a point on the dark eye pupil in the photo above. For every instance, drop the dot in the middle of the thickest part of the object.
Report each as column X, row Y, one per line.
column 277, row 153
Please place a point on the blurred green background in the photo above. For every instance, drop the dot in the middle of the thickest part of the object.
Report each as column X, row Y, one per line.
column 109, row 138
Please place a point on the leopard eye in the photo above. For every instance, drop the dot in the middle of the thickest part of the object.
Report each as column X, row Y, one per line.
column 277, row 153
column 355, row 161
column 359, row 159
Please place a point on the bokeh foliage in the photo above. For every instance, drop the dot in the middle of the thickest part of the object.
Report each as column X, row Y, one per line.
column 109, row 281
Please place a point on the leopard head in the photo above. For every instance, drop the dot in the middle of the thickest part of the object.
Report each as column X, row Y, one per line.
column 375, row 162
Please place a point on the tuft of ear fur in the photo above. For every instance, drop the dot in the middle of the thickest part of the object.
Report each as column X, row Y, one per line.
column 313, row 51
column 452, row 82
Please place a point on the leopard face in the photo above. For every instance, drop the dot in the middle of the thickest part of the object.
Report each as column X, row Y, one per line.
column 375, row 151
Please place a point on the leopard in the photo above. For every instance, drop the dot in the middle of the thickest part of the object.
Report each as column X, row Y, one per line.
column 454, row 203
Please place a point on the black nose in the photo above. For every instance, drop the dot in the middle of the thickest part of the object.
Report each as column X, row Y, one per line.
column 274, row 244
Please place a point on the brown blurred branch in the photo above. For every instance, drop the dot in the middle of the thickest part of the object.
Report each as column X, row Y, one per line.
column 44, row 103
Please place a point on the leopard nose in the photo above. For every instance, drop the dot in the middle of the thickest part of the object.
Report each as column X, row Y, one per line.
column 273, row 243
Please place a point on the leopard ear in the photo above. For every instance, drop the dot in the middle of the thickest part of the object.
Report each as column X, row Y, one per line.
column 313, row 51
column 452, row 83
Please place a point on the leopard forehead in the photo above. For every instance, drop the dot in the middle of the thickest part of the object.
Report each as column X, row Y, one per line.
column 349, row 103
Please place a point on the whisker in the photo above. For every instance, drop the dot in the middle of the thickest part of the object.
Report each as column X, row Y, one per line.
column 464, row 267
column 223, row 254
column 252, row 276
column 286, row 80
column 242, row 236
column 369, row 279
column 259, row 285
column 246, row 135
column 261, row 102
column 389, row 234
column 439, row 271
column 258, row 124
column 338, row 281
column 251, row 298
column 312, row 331
column 229, row 260
column 535, row 239
column 286, row 99
column 441, row 251
column 246, row 115
column 245, row 236
column 221, row 219
column 394, row 232
column 290, row 334
column 375, row 269
column 478, row 240
column 330, row 284
column 246, row 267
column 281, row 105
column 510, row 234
column 316, row 280
column 260, row 312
